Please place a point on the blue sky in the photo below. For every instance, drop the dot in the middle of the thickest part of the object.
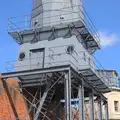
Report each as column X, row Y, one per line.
column 104, row 14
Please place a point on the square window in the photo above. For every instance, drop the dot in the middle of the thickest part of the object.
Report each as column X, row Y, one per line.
column 116, row 106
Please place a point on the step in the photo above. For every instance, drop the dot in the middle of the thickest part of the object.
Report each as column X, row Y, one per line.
column 45, row 105
column 47, row 102
column 44, row 109
column 51, row 92
column 48, row 98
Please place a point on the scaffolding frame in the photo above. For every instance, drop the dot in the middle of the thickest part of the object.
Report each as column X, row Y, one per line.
column 71, row 78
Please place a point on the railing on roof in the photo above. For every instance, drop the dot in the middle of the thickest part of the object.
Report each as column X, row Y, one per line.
column 76, row 13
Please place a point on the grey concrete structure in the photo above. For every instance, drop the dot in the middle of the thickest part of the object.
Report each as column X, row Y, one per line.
column 57, row 43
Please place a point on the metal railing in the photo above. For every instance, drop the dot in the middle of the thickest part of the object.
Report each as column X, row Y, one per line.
column 31, row 63
column 79, row 61
column 95, row 65
column 90, row 26
column 75, row 13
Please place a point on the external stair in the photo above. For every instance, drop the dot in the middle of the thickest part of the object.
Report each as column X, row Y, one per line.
column 47, row 97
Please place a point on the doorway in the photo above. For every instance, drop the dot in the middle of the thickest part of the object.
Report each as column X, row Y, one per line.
column 37, row 58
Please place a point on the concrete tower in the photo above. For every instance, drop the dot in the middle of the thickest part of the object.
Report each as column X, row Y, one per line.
column 57, row 42
column 52, row 12
column 51, row 25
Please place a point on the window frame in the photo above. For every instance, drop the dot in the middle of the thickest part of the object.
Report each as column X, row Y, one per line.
column 116, row 106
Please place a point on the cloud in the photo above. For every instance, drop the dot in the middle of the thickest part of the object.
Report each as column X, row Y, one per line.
column 108, row 39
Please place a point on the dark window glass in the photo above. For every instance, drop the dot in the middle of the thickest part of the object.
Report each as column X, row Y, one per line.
column 70, row 49
column 116, row 106
column 22, row 56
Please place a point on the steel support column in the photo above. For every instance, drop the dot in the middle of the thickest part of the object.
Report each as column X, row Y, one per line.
column 91, row 102
column 81, row 102
column 100, row 109
column 67, row 91
column 106, row 111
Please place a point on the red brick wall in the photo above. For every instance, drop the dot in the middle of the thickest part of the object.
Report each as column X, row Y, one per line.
column 6, row 111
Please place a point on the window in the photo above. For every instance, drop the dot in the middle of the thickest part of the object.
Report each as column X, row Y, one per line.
column 21, row 56
column 119, row 82
column 116, row 106
column 70, row 49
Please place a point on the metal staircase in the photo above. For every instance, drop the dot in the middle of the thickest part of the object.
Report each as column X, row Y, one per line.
column 47, row 97
column 44, row 102
column 48, row 82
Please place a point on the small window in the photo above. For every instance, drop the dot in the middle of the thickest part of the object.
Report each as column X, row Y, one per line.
column 21, row 56
column 70, row 49
column 116, row 106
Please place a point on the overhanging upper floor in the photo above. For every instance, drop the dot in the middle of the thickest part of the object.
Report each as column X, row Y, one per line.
column 62, row 24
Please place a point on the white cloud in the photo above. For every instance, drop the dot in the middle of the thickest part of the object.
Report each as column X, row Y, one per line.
column 108, row 39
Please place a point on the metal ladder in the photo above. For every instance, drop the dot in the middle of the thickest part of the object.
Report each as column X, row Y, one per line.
column 46, row 98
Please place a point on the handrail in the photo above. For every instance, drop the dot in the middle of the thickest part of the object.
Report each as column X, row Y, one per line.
column 11, row 64
column 90, row 60
column 93, row 62
column 91, row 21
column 90, row 25
column 26, row 21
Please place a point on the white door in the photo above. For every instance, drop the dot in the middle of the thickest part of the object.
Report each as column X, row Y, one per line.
column 37, row 58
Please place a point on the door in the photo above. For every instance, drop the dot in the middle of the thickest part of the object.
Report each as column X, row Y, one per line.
column 37, row 58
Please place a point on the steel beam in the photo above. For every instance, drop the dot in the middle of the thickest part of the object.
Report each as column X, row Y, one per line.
column 67, row 91
column 70, row 91
column 87, row 84
column 91, row 102
column 35, row 71
column 49, row 70
column 81, row 102
column 106, row 111
column 100, row 109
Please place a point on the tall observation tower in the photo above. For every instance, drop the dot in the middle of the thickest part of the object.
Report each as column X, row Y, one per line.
column 55, row 62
